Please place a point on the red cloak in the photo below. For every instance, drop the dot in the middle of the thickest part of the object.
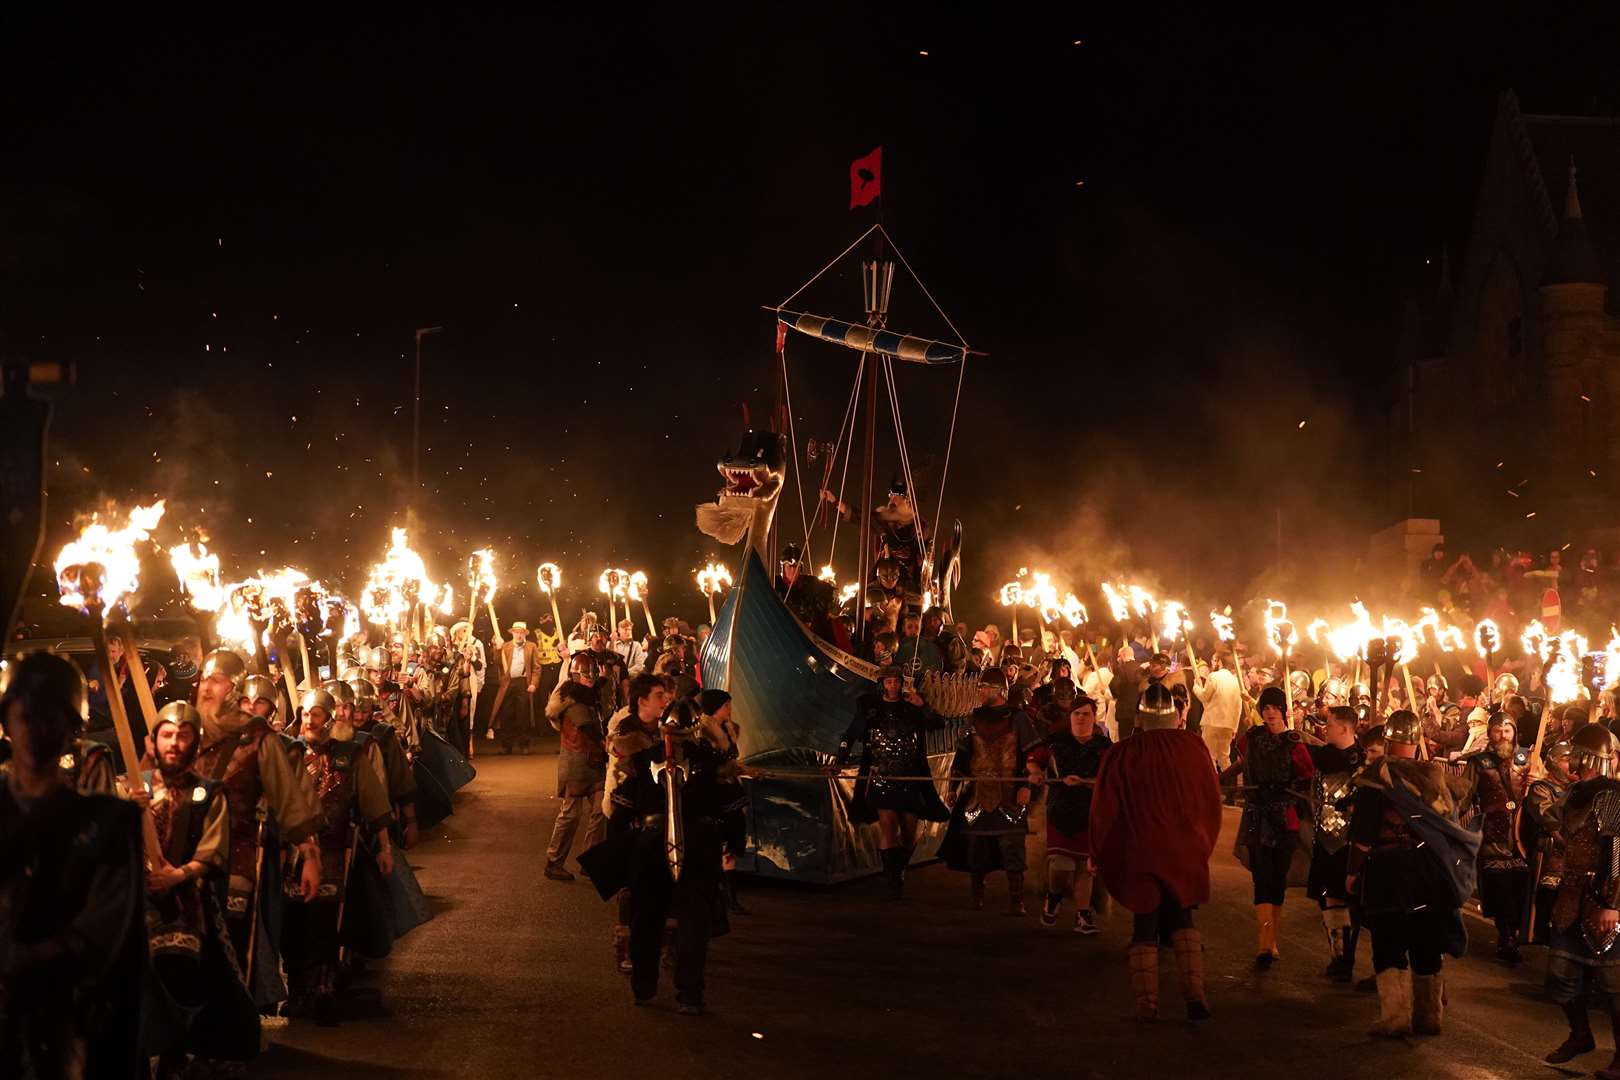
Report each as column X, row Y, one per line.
column 1155, row 819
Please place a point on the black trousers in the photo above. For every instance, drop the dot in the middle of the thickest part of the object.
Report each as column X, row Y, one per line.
column 654, row 897
column 1400, row 939
column 1269, row 868
column 1155, row 927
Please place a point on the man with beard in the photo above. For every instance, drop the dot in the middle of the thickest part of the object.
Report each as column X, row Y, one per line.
column 356, row 706
column 612, row 680
column 353, row 799
column 952, row 649
column 892, row 728
column 1154, row 821
column 1053, row 714
column 1411, row 866
column 241, row 754
column 1583, row 961
column 1538, row 829
column 1337, row 760
column 1496, row 784
column 520, row 664
column 581, row 763
column 1273, row 762
column 990, row 815
column 1071, row 757
column 71, row 943
column 185, row 927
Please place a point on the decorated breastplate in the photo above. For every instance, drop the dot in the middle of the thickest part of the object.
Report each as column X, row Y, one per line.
column 995, row 757
column 1330, row 800
column 244, row 788
column 894, row 748
column 1591, row 868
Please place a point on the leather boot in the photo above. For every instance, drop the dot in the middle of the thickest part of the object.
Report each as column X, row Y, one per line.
column 1580, row 1040
column 976, row 897
column 892, row 872
column 621, row 949
column 1265, row 936
column 1394, row 1003
column 1015, row 894
column 1612, row 1072
column 1336, row 922
column 1428, row 1003
column 1144, row 961
column 1189, row 945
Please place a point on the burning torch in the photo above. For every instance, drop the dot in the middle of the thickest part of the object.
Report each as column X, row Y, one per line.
column 1283, row 637
column 711, row 580
column 1487, row 638
column 1012, row 594
column 638, row 591
column 550, row 579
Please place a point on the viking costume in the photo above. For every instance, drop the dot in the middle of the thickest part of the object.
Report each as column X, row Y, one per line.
column 1154, row 822
column 267, row 800
column 989, row 825
column 353, row 797
column 1068, row 815
column 72, row 950
column 894, row 742
column 89, row 768
column 1584, row 958
column 1268, row 835
column 1543, row 843
column 195, row 1000
column 1331, row 804
column 1413, row 865
column 1495, row 792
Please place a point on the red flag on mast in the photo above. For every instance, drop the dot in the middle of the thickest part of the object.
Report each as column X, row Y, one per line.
column 866, row 178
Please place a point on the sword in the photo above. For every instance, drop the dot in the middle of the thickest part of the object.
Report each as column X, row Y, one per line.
column 673, row 774
column 253, row 898
column 1527, row 924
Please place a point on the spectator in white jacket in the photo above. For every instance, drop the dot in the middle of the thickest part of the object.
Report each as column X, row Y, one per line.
column 1223, row 710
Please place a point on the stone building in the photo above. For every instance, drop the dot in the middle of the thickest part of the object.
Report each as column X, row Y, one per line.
column 1503, row 419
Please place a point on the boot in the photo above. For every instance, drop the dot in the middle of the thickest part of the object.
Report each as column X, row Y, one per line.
column 1612, row 1072
column 1428, row 1003
column 1580, row 1039
column 621, row 949
column 1276, row 923
column 1336, row 921
column 1015, row 894
column 1507, row 946
column 1144, row 961
column 1394, row 1003
column 1352, row 935
column 1190, row 963
column 1265, row 936
column 892, row 871
column 733, row 905
column 976, row 897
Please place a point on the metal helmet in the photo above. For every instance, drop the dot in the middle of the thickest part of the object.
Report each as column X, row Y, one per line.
column 317, row 699
column 1334, row 693
column 341, row 691
column 1360, row 694
column 1301, row 681
column 1592, row 747
column 226, row 662
column 260, row 688
column 1506, row 683
column 1436, row 681
column 178, row 713
column 350, row 672
column 364, row 692
column 1403, row 726
column 1554, row 751
column 377, row 658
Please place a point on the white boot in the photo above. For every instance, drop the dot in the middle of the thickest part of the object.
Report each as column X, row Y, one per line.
column 1394, row 1003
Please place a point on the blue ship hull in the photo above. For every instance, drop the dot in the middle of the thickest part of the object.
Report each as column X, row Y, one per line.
column 793, row 696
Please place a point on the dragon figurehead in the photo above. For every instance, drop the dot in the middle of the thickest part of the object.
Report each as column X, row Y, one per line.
column 753, row 475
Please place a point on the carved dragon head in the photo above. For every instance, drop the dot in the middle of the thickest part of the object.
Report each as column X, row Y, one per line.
column 753, row 475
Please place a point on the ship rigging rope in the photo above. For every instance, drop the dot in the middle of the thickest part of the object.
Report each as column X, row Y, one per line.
column 798, row 482
column 905, row 461
column 835, row 262
column 849, row 420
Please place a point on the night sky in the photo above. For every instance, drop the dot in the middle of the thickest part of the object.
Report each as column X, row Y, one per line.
column 1176, row 236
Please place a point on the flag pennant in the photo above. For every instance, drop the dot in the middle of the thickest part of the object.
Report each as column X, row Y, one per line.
column 866, row 178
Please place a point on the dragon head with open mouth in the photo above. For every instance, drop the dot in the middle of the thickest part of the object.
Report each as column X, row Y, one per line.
column 753, row 475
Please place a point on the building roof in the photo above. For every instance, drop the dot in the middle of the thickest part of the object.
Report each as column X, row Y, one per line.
column 1587, row 216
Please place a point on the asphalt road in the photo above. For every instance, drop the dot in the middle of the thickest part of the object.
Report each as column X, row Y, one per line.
column 513, row 979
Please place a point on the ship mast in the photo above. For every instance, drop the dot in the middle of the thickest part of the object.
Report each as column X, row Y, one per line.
column 877, row 279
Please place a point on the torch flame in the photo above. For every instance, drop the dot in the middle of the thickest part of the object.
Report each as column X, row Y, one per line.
column 828, row 574
column 1279, row 630
column 198, row 571
column 398, row 582
column 1487, row 637
column 714, row 579
column 1074, row 610
column 1012, row 593
column 1405, row 636
column 1117, row 604
column 1535, row 639
column 549, row 576
column 638, row 586
column 111, row 549
column 845, row 595
column 1142, row 601
column 1176, row 620
column 1221, row 622
column 1316, row 629
column 481, row 576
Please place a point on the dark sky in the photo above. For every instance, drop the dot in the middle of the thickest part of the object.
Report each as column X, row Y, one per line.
column 234, row 230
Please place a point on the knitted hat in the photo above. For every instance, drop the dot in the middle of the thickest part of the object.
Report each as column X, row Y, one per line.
column 712, row 701
column 1273, row 695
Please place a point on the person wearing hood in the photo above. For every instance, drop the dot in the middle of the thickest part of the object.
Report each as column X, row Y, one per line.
column 1538, row 830
column 1273, row 762
column 991, row 795
column 358, row 706
column 241, row 754
column 353, row 800
column 581, row 762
